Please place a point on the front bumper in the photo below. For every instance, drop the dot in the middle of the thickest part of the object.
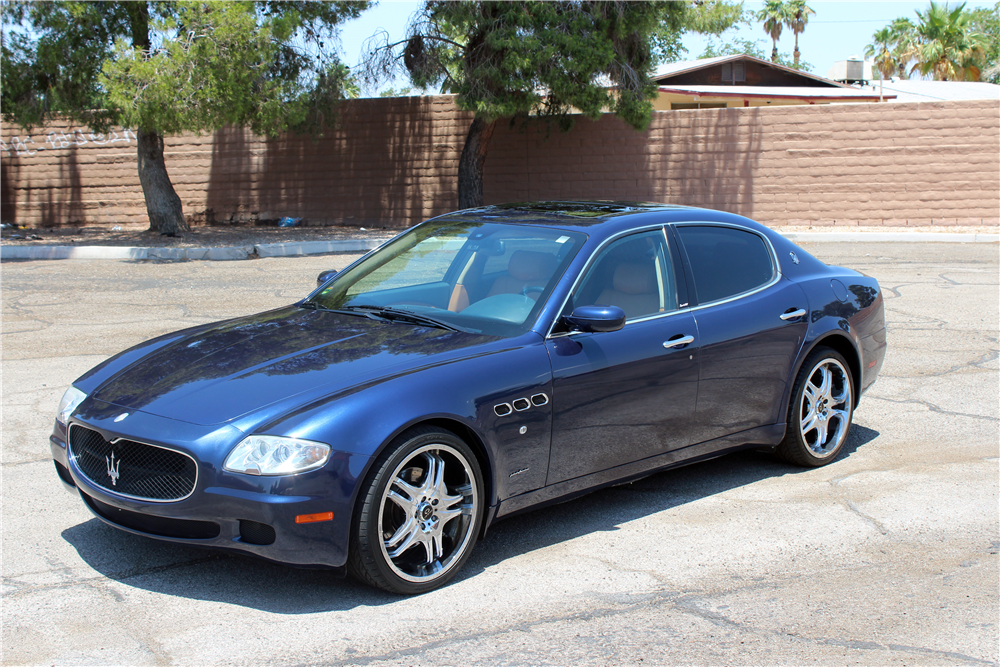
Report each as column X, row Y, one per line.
column 231, row 511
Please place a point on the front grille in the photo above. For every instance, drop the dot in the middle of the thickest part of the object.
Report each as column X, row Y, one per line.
column 132, row 468
column 154, row 525
column 255, row 532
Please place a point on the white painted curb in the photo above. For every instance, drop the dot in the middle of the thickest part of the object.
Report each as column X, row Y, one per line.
column 217, row 254
column 889, row 237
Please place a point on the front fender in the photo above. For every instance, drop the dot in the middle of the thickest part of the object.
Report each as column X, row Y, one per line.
column 464, row 393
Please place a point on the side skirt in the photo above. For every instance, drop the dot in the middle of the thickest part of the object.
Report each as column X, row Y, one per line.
column 764, row 436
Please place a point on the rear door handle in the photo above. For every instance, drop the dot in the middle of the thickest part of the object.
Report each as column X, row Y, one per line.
column 678, row 342
column 793, row 314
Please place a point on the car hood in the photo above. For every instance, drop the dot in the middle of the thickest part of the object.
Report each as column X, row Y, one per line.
column 218, row 374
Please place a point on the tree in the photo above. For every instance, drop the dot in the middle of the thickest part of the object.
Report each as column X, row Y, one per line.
column 504, row 60
column 508, row 60
column 987, row 23
column 882, row 50
column 166, row 67
column 774, row 16
column 798, row 17
column 948, row 48
column 751, row 47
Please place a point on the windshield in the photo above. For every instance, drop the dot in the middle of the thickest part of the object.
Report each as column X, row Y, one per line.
column 472, row 276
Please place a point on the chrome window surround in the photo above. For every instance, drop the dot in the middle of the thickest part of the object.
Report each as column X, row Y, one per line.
column 775, row 267
column 72, row 457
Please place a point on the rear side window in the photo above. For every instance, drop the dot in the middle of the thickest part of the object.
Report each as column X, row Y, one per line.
column 725, row 261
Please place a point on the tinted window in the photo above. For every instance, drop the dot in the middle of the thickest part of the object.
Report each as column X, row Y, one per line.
column 632, row 273
column 725, row 261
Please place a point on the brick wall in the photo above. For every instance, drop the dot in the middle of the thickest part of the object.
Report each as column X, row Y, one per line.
column 392, row 162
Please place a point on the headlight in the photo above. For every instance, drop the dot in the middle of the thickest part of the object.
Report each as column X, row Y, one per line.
column 70, row 401
column 273, row 455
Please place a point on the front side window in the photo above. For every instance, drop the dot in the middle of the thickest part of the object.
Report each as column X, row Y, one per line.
column 475, row 276
column 725, row 261
column 632, row 273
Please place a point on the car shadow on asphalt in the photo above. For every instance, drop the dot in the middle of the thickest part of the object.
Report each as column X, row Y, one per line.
column 177, row 570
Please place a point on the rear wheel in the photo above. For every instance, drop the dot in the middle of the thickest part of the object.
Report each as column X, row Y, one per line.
column 420, row 513
column 821, row 409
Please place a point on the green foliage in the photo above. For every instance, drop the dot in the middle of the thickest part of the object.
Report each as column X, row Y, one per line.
column 987, row 23
column 711, row 17
column 774, row 15
column 948, row 43
column 176, row 66
column 756, row 48
column 548, row 58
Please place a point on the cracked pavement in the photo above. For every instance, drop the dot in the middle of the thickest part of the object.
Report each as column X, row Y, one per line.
column 887, row 556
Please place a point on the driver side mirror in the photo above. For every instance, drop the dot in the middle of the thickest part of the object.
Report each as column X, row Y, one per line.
column 326, row 275
column 596, row 319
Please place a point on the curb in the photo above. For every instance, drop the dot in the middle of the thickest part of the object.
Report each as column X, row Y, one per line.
column 214, row 254
column 357, row 245
column 889, row 237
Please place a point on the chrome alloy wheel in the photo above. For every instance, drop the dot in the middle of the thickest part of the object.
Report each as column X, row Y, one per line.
column 825, row 409
column 427, row 512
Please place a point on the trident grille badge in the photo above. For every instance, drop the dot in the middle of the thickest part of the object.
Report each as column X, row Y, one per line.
column 113, row 468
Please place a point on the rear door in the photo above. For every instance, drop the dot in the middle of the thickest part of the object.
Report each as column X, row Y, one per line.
column 751, row 323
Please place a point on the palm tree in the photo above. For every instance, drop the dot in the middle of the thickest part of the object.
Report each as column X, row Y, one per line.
column 905, row 44
column 774, row 15
column 882, row 50
column 948, row 46
column 798, row 16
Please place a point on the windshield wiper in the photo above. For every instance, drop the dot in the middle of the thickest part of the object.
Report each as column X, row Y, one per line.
column 390, row 313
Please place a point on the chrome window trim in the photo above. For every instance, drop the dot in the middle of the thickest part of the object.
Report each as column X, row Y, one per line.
column 72, row 458
column 590, row 263
column 775, row 266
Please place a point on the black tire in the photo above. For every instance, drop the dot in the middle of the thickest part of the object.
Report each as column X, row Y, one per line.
column 819, row 414
column 414, row 529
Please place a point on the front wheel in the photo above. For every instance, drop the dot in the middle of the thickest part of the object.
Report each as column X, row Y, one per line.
column 820, row 412
column 419, row 514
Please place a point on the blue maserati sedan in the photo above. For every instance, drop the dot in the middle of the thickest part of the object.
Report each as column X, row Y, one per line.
column 481, row 364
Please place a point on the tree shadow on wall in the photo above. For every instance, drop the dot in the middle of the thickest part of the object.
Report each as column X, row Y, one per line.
column 695, row 158
column 61, row 206
column 380, row 166
column 9, row 176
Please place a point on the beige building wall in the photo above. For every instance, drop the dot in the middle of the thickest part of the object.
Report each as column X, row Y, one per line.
column 393, row 162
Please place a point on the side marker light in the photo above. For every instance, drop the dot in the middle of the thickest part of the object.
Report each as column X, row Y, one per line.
column 314, row 518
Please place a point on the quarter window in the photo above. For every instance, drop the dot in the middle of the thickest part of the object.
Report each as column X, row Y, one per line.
column 725, row 261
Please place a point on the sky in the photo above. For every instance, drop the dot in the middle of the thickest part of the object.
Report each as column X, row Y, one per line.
column 836, row 32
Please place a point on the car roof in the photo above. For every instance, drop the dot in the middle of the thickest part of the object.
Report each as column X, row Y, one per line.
column 594, row 217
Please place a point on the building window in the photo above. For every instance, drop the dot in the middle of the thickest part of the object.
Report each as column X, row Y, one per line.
column 734, row 72
column 697, row 105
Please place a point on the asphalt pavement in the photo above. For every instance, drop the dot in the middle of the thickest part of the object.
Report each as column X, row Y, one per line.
column 887, row 556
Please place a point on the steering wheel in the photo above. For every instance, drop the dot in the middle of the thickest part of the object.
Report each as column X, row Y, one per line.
column 528, row 289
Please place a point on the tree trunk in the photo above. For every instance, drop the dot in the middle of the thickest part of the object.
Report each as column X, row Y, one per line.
column 796, row 53
column 470, row 165
column 774, row 52
column 162, row 204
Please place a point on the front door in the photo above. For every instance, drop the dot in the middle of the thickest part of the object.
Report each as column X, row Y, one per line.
column 625, row 395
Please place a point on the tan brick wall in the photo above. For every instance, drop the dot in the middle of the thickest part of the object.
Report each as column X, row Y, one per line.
column 392, row 162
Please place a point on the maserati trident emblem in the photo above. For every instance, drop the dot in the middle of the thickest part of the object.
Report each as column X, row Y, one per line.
column 121, row 417
column 113, row 468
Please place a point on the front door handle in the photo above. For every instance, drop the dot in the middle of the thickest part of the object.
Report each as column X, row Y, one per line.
column 678, row 342
column 793, row 314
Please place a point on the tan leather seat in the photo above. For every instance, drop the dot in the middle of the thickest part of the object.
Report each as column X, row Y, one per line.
column 526, row 268
column 633, row 290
